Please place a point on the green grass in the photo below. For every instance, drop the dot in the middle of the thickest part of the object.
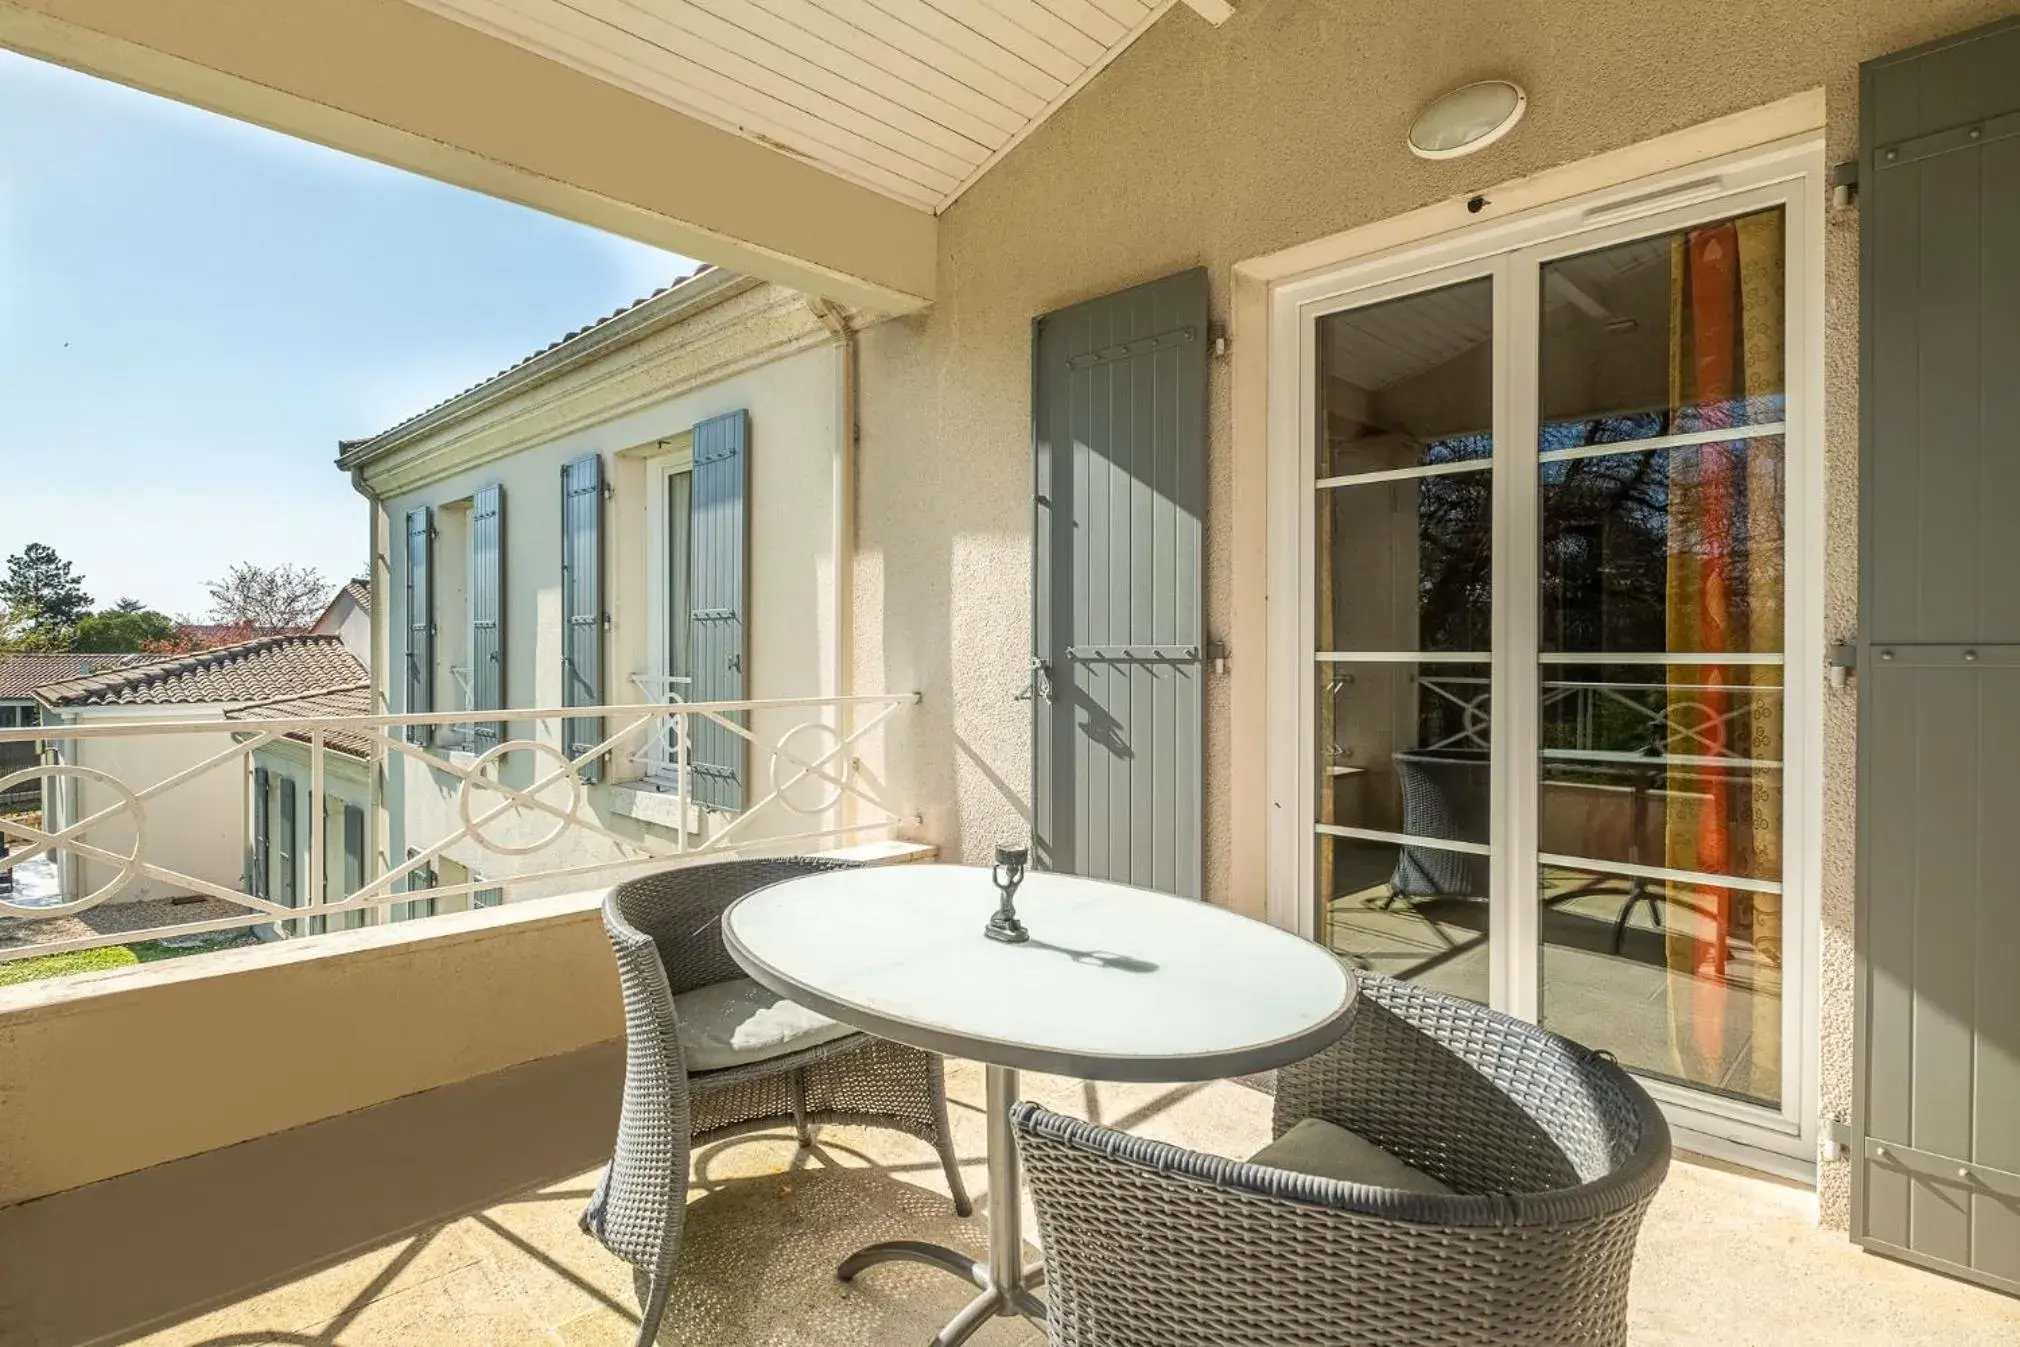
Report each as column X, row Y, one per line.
column 95, row 960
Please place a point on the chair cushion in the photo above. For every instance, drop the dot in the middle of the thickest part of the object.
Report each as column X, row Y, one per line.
column 738, row 1022
column 1327, row 1151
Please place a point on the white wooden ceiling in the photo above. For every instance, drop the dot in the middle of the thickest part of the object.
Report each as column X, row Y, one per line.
column 914, row 98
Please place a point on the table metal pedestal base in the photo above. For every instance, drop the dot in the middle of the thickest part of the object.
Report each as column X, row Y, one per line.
column 1005, row 1284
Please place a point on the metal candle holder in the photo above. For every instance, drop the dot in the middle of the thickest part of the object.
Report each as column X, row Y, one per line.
column 1008, row 874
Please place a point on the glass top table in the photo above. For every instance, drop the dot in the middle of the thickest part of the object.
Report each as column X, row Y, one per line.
column 1113, row 983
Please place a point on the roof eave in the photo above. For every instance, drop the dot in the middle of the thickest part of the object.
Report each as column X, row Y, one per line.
column 677, row 303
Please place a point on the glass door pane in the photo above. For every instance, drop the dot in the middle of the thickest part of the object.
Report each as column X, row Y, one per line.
column 1404, row 524
column 1661, row 621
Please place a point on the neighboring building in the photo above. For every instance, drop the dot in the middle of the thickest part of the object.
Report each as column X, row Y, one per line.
column 197, row 827
column 643, row 512
column 278, row 850
column 20, row 675
column 349, row 616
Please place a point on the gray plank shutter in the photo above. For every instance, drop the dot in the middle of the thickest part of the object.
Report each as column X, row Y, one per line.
column 1119, row 415
column 582, row 616
column 718, row 757
column 420, row 652
column 354, row 860
column 1936, row 1125
column 286, row 885
column 487, row 613
column 260, row 868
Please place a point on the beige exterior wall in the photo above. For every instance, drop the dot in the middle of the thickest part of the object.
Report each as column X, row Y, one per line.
column 195, row 828
column 761, row 349
column 350, row 622
column 1209, row 147
column 143, row 1065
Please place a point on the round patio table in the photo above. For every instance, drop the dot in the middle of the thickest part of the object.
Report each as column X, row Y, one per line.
column 1113, row 983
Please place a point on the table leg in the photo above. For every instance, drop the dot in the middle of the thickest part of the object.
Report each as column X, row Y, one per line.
column 1005, row 1286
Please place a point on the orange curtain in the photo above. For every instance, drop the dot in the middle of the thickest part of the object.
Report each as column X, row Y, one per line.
column 1724, row 596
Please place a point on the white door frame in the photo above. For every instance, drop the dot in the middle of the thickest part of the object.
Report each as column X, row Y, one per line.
column 1790, row 173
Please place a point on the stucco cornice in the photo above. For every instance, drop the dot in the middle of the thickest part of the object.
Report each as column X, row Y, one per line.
column 641, row 357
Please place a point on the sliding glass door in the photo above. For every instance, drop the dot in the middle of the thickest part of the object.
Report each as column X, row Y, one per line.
column 1550, row 606
column 1661, row 623
column 1404, row 527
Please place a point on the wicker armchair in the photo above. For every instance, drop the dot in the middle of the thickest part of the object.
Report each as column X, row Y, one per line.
column 667, row 932
column 1551, row 1151
column 1445, row 794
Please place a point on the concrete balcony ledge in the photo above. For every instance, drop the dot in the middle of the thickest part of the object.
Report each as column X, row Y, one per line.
column 106, row 1073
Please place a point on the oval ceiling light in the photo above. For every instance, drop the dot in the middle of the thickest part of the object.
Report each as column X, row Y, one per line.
column 1467, row 119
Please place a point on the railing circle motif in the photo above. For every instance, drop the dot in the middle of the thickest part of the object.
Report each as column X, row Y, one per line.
column 834, row 740
column 561, row 825
column 129, row 865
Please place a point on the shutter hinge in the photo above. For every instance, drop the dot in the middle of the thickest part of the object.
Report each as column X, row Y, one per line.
column 1845, row 184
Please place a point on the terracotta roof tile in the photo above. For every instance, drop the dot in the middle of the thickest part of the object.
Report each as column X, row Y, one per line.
column 327, row 703
column 20, row 675
column 261, row 669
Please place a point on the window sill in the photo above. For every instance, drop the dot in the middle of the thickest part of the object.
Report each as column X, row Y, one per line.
column 657, row 808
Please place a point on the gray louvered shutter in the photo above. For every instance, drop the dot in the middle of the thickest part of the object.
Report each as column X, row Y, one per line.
column 257, row 872
column 420, row 619
column 582, row 605
column 718, row 757
column 354, row 860
column 286, row 890
column 487, row 613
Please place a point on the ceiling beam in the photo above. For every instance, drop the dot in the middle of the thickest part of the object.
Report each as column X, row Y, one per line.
column 1215, row 12
column 392, row 82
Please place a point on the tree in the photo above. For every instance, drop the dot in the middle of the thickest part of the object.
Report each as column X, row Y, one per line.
column 19, row 634
column 268, row 597
column 121, row 629
column 44, row 586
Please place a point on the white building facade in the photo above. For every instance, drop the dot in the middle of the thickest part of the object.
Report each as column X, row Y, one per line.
column 644, row 513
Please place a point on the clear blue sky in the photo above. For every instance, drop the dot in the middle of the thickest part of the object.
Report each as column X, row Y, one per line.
column 194, row 311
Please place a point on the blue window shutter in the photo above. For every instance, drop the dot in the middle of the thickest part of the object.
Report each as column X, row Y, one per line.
column 354, row 860
column 1119, row 435
column 259, row 868
column 719, row 758
column 582, row 605
column 420, row 619
column 487, row 613
column 285, row 886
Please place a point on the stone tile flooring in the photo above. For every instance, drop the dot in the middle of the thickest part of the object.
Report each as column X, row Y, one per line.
column 1726, row 1259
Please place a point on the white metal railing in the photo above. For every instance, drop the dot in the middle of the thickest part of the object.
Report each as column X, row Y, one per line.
column 662, row 756
column 1673, row 724
column 815, row 755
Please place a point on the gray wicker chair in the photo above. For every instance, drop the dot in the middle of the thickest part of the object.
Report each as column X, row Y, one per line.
column 1552, row 1153
column 667, row 932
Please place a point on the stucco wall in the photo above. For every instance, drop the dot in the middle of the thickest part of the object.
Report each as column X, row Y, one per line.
column 793, row 401
column 177, row 1058
column 350, row 622
column 1208, row 147
column 195, row 828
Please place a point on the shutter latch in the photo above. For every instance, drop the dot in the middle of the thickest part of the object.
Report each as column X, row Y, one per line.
column 1040, row 685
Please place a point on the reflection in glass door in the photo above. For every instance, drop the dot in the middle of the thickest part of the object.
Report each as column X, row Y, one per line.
column 1403, row 634
column 1575, row 747
column 1662, row 398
